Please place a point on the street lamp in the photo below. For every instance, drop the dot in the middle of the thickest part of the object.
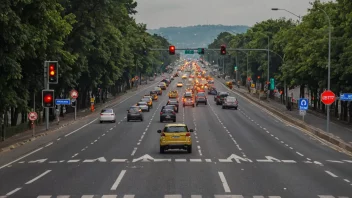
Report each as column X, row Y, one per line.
column 276, row 9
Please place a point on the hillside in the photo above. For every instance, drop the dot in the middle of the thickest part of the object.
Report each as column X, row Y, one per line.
column 195, row 36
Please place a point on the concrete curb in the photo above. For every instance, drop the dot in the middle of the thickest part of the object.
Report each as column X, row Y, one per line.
column 97, row 110
column 315, row 131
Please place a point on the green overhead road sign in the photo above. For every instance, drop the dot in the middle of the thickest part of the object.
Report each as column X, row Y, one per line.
column 200, row 50
column 189, row 51
column 235, row 68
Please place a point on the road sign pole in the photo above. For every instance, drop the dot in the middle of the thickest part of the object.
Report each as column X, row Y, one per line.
column 33, row 126
column 75, row 111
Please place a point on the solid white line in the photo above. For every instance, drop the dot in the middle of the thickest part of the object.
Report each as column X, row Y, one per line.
column 224, row 182
column 18, row 159
column 10, row 193
column 49, row 144
column 118, row 180
column 39, row 176
column 326, row 196
column 81, row 127
column 300, row 154
column 331, row 174
column 134, row 151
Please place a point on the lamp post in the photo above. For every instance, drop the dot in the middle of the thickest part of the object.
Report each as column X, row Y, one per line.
column 329, row 60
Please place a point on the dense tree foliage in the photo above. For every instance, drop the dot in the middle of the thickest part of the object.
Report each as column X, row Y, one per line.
column 299, row 51
column 97, row 42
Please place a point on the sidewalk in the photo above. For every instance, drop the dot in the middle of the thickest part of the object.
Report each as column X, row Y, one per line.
column 40, row 130
column 338, row 130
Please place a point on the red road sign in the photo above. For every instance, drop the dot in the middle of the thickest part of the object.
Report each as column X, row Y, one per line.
column 32, row 116
column 74, row 94
column 328, row 97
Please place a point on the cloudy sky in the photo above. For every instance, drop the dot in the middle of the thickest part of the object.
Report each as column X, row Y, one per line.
column 165, row 13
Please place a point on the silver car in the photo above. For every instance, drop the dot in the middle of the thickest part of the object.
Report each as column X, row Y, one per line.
column 143, row 105
column 230, row 102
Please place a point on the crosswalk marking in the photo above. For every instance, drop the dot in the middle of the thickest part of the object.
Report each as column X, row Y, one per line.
column 87, row 196
column 196, row 196
column 229, row 196
column 258, row 196
column 63, row 196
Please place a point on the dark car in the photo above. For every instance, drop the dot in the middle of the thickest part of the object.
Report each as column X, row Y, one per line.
column 201, row 98
column 167, row 115
column 220, row 97
column 173, row 102
column 134, row 113
column 212, row 91
column 230, row 102
column 172, row 107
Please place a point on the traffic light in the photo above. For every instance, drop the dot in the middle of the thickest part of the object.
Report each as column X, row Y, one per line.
column 48, row 100
column 53, row 72
column 223, row 50
column 172, row 50
column 201, row 50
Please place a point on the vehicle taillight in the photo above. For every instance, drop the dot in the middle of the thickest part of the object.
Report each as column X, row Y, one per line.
column 218, row 96
column 163, row 134
column 161, row 113
column 188, row 134
column 101, row 114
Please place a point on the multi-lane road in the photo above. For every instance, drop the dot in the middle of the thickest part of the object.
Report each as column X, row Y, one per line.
column 236, row 153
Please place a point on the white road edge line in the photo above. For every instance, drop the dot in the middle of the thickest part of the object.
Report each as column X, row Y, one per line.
column 18, row 159
column 118, row 180
column 224, row 182
column 39, row 176
column 13, row 191
column 331, row 174
column 81, row 127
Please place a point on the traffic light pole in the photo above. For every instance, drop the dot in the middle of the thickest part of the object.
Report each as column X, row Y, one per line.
column 46, row 86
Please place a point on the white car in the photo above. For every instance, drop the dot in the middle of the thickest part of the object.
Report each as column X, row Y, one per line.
column 143, row 105
column 107, row 115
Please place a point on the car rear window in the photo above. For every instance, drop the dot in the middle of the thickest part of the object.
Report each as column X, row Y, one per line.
column 202, row 94
column 145, row 99
column 231, row 99
column 142, row 103
column 175, row 129
column 106, row 111
column 167, row 110
column 134, row 110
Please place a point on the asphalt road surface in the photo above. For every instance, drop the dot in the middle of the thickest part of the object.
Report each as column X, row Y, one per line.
column 236, row 153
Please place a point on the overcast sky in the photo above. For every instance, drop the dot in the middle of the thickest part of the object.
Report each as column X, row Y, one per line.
column 165, row 13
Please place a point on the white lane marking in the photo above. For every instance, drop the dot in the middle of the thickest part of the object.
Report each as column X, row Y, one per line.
column 63, row 196
column 224, row 182
column 128, row 196
column 331, row 174
column 195, row 160
column 87, row 196
column 326, row 196
column 18, row 159
column 118, row 180
column 300, row 154
column 81, row 127
column 346, row 180
column 109, row 196
column 38, row 177
column 49, row 144
column 13, row 191
column 74, row 155
column 134, row 151
column 196, row 196
column 180, row 160
column 173, row 196
column 58, row 139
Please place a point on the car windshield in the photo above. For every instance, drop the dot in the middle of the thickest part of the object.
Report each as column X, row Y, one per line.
column 188, row 94
column 175, row 129
column 107, row 111
column 134, row 110
column 201, row 94
column 145, row 99
column 179, row 82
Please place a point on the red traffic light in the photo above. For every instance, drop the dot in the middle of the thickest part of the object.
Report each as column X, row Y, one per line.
column 48, row 98
column 53, row 72
column 223, row 50
column 172, row 50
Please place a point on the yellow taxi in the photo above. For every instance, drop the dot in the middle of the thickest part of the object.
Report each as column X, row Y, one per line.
column 175, row 136
column 148, row 100
column 184, row 76
column 154, row 95
column 179, row 84
column 173, row 94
